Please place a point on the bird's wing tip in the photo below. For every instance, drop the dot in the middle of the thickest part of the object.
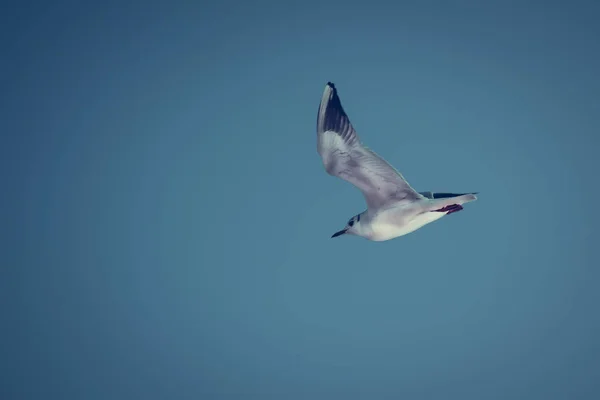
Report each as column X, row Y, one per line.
column 332, row 117
column 330, row 91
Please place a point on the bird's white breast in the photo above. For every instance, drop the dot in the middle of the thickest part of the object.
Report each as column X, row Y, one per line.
column 383, row 229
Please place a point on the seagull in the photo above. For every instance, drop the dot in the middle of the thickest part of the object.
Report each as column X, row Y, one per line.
column 394, row 208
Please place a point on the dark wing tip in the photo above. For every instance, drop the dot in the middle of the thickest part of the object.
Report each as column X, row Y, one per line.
column 332, row 117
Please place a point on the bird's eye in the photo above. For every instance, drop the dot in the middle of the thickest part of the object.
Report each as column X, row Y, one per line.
column 351, row 222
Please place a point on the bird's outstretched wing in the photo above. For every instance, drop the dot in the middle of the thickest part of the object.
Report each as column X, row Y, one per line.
column 344, row 156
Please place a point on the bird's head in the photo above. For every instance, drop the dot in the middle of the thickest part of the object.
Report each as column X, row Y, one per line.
column 352, row 227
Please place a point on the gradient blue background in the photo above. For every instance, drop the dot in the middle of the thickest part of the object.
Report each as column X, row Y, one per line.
column 166, row 218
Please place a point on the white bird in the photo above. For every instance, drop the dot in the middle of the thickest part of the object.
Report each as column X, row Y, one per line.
column 394, row 208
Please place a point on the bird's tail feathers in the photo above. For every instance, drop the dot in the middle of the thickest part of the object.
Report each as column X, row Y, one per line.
column 436, row 204
column 434, row 195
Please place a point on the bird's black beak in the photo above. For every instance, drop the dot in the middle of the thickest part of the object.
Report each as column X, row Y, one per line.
column 339, row 233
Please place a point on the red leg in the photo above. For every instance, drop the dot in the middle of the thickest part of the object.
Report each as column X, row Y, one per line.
column 450, row 209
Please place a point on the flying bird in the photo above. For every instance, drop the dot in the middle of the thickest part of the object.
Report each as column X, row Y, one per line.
column 394, row 208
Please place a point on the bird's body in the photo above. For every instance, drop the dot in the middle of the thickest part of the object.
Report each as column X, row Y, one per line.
column 394, row 207
column 403, row 218
column 398, row 222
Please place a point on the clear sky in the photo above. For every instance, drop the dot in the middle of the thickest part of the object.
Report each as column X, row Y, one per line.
column 166, row 218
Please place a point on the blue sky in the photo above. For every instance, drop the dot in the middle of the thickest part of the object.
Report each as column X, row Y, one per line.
column 167, row 219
